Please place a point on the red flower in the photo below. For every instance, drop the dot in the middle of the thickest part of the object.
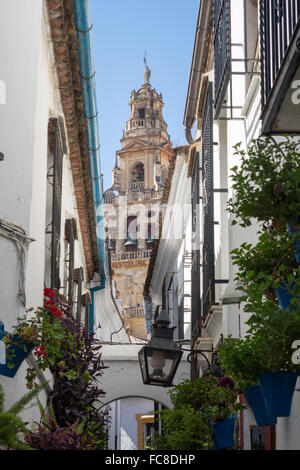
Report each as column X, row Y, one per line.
column 40, row 351
column 49, row 293
column 56, row 312
column 48, row 304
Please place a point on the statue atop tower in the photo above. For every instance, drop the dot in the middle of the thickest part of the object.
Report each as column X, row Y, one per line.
column 147, row 73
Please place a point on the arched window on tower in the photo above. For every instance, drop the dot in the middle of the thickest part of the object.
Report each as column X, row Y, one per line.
column 137, row 177
column 132, row 228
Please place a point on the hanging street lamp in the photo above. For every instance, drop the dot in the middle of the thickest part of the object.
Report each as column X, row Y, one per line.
column 160, row 358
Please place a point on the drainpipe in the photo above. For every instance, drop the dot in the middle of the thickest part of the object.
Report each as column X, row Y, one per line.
column 87, row 72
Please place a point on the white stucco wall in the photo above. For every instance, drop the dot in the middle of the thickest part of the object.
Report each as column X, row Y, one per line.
column 123, row 376
column 32, row 96
column 130, row 407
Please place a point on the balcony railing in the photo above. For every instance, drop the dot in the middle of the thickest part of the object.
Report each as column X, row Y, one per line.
column 144, row 195
column 133, row 311
column 279, row 20
column 131, row 255
column 140, row 186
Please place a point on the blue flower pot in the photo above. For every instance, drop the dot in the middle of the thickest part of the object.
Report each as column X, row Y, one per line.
column 277, row 389
column 256, row 401
column 15, row 353
column 283, row 295
column 223, row 431
column 294, row 229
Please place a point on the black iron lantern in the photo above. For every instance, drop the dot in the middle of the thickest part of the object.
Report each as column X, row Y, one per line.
column 160, row 358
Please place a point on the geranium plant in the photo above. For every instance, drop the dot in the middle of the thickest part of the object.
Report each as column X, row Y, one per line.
column 44, row 327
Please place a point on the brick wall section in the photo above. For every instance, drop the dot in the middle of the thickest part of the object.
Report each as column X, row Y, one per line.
column 63, row 31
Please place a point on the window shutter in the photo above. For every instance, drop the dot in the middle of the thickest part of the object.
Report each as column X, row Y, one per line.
column 56, row 149
column 208, row 257
column 78, row 278
column 86, row 311
column 71, row 235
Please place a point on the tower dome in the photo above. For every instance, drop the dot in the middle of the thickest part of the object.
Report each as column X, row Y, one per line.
column 146, row 111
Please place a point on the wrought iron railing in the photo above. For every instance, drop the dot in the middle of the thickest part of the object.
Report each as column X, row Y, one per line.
column 208, row 256
column 222, row 51
column 278, row 22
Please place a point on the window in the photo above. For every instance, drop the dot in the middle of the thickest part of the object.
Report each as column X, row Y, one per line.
column 71, row 236
column 137, row 175
column 142, row 113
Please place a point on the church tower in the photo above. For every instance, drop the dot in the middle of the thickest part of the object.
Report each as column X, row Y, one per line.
column 132, row 203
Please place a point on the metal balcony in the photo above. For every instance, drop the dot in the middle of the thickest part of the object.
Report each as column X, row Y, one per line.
column 280, row 59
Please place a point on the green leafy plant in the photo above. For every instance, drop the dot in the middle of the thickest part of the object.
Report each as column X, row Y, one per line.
column 217, row 399
column 266, row 184
column 11, row 425
column 49, row 435
column 242, row 360
column 267, row 263
column 197, row 405
column 184, row 428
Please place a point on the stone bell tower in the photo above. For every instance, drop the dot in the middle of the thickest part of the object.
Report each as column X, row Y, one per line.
column 133, row 200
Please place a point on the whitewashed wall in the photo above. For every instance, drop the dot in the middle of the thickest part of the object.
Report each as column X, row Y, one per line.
column 27, row 69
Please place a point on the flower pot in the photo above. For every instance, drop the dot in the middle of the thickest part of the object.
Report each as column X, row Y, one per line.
column 294, row 229
column 15, row 353
column 283, row 295
column 223, row 431
column 256, row 401
column 277, row 389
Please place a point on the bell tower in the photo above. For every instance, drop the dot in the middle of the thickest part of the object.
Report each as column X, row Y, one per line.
column 138, row 183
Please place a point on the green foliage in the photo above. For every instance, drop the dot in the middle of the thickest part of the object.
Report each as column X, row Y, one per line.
column 206, row 394
column 184, row 428
column 266, row 188
column 195, row 393
column 242, row 359
column 271, row 259
column 197, row 405
column 11, row 424
column 267, row 182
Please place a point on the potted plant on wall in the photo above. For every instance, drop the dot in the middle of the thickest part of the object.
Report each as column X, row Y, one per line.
column 40, row 330
column 240, row 359
column 267, row 349
column 15, row 349
column 266, row 187
column 266, row 184
column 270, row 264
column 216, row 399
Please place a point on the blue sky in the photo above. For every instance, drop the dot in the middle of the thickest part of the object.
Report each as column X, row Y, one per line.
column 122, row 31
